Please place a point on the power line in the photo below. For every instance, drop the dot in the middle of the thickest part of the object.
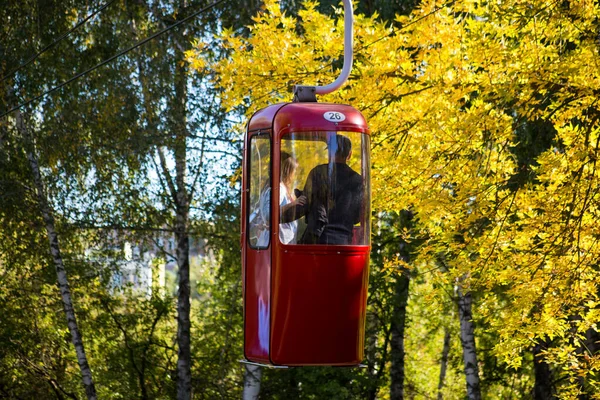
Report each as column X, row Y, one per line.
column 138, row 44
column 64, row 35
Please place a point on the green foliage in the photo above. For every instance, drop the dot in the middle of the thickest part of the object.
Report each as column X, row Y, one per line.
column 97, row 140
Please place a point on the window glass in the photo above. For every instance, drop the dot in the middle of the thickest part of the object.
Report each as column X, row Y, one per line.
column 259, row 182
column 327, row 184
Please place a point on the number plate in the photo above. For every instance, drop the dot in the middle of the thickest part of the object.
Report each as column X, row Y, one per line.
column 334, row 116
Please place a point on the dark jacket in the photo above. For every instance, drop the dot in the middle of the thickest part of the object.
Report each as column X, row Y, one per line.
column 331, row 203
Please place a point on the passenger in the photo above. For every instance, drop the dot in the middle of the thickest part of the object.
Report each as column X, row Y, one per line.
column 332, row 198
column 287, row 231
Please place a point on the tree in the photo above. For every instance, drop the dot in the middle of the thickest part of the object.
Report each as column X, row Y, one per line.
column 27, row 143
column 63, row 283
column 97, row 144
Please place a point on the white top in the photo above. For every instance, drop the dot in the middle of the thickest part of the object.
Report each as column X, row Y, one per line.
column 287, row 232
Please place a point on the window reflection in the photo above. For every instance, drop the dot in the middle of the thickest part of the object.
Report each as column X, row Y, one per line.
column 259, row 183
column 330, row 202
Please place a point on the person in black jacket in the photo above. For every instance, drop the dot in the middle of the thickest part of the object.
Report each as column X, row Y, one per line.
column 332, row 198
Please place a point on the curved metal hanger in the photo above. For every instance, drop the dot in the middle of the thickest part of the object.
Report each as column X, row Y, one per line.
column 308, row 93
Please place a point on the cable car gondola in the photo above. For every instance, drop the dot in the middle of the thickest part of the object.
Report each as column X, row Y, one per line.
column 306, row 229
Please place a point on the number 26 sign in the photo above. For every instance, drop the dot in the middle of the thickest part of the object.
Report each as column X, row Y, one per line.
column 334, row 116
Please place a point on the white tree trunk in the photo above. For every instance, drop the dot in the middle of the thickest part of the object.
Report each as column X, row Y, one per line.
column 61, row 273
column 182, row 204
column 252, row 379
column 467, row 338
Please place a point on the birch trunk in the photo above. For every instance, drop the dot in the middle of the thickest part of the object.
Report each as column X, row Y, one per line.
column 61, row 273
column 467, row 338
column 184, row 360
column 179, row 195
column 252, row 378
column 444, row 363
column 397, row 343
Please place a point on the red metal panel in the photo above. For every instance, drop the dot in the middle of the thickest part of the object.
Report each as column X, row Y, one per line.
column 318, row 304
column 263, row 119
column 319, row 293
column 243, row 239
column 257, row 301
column 298, row 117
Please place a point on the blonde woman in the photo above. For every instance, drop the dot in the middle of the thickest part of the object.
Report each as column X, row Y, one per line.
column 287, row 231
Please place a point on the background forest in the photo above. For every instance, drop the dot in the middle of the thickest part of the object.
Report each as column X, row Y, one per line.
column 119, row 194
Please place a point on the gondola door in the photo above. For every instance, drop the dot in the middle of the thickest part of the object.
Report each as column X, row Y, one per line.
column 256, row 249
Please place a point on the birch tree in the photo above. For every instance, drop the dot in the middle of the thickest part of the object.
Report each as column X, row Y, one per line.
column 54, row 245
column 10, row 71
column 252, row 376
column 467, row 338
column 190, row 139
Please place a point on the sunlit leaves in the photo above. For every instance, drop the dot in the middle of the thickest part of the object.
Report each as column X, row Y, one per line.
column 446, row 92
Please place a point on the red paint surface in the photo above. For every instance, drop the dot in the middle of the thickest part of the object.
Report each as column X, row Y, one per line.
column 318, row 304
column 257, row 305
column 303, row 117
column 263, row 118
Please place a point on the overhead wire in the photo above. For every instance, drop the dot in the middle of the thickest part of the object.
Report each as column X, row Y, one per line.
column 108, row 60
column 140, row 43
column 61, row 37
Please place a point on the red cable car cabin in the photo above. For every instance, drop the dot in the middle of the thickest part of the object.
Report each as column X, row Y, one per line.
column 305, row 234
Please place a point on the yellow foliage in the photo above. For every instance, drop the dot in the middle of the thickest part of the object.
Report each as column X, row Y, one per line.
column 446, row 91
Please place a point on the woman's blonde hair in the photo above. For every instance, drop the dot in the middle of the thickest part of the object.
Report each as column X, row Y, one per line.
column 288, row 166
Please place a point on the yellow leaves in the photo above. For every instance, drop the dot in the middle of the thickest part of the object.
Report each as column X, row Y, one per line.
column 273, row 8
column 445, row 98
column 577, row 365
column 194, row 57
column 235, row 177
